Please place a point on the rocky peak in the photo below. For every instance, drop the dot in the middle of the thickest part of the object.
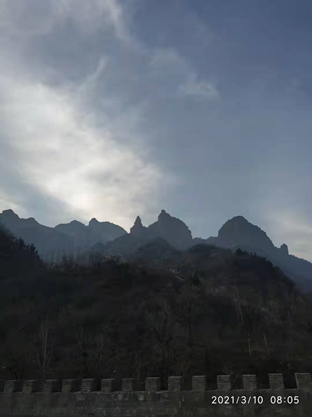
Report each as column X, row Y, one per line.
column 76, row 223
column 74, row 227
column 238, row 231
column 9, row 215
column 30, row 223
column 104, row 231
column 93, row 223
column 138, row 221
column 284, row 249
column 138, row 229
column 171, row 229
column 10, row 220
column 163, row 215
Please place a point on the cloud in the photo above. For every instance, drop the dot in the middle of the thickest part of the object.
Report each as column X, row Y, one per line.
column 185, row 79
column 297, row 230
column 36, row 17
column 196, row 88
column 70, row 148
column 21, row 18
column 94, row 15
column 166, row 58
column 52, row 145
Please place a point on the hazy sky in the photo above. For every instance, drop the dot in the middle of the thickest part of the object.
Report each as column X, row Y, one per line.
column 118, row 108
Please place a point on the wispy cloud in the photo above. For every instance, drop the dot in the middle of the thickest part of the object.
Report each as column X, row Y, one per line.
column 59, row 151
column 164, row 58
column 94, row 15
column 196, row 88
column 295, row 231
column 186, row 80
column 54, row 150
column 37, row 17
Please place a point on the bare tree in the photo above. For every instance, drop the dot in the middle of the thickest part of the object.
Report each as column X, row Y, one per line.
column 162, row 333
column 44, row 347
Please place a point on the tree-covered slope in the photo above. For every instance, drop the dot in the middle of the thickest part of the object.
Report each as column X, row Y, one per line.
column 206, row 312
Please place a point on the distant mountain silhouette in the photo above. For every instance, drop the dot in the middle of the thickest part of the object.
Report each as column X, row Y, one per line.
column 138, row 230
column 124, row 246
column 157, row 252
column 200, row 306
column 173, row 230
column 109, row 239
column 53, row 242
column 234, row 234
column 239, row 233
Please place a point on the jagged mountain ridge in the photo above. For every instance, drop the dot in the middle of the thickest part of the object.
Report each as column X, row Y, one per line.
column 107, row 238
column 53, row 242
column 167, row 227
column 236, row 233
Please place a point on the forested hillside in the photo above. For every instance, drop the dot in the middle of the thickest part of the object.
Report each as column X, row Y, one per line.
column 165, row 312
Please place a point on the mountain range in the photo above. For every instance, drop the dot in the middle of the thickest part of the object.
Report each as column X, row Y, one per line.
column 64, row 239
column 107, row 238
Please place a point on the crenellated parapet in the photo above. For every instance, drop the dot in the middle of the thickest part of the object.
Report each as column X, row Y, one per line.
column 80, row 398
column 152, row 384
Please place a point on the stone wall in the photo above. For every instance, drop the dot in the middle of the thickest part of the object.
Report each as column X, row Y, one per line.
column 90, row 397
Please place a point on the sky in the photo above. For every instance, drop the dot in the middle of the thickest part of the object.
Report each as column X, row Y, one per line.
column 118, row 108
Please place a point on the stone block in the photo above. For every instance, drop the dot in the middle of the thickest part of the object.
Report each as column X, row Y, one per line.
column 140, row 396
column 199, row 383
column 175, row 383
column 223, row 382
column 70, row 385
column 88, row 385
column 304, row 381
column 276, row 381
column 51, row 385
column 13, row 386
column 152, row 384
column 31, row 386
column 108, row 385
column 2, row 383
column 250, row 382
column 128, row 384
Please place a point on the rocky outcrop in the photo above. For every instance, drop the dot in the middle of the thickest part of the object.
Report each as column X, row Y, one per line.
column 138, row 230
column 173, row 230
column 104, row 231
column 284, row 249
column 238, row 231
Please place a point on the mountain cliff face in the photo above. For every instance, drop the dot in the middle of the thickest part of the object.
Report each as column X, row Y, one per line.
column 53, row 242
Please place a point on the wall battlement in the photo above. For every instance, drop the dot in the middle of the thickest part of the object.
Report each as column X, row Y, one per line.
column 91, row 397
